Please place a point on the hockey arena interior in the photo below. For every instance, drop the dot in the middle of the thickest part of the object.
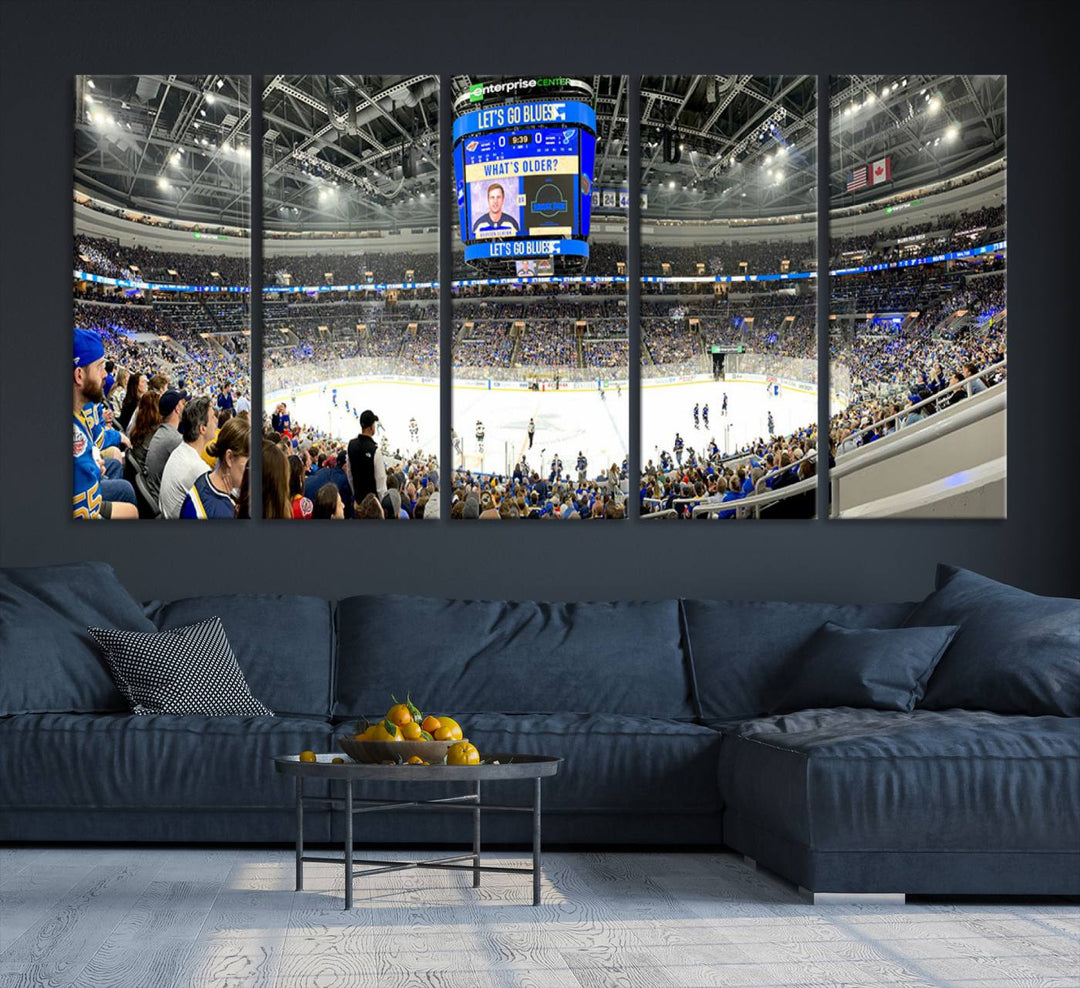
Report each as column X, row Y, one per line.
column 541, row 347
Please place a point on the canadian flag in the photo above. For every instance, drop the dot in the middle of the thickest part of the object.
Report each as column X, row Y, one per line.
column 881, row 170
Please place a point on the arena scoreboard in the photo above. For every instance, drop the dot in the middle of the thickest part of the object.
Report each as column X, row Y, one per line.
column 523, row 176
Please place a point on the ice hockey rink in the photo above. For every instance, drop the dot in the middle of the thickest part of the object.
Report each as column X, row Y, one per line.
column 566, row 421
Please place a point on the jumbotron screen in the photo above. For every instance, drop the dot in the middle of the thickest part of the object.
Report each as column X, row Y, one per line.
column 523, row 173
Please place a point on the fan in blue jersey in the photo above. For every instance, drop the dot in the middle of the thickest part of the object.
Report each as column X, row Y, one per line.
column 88, row 379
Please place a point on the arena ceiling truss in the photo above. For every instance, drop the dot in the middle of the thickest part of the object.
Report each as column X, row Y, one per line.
column 355, row 151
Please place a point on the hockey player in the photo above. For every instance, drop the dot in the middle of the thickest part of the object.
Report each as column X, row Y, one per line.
column 414, row 430
column 723, row 406
column 532, row 432
column 705, row 414
column 480, row 435
column 772, row 426
column 582, row 467
column 697, row 416
column 678, row 447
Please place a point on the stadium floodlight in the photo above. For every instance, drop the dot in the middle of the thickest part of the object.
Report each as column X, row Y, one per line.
column 934, row 105
column 90, row 83
column 162, row 182
column 202, row 113
column 671, row 184
column 177, row 157
column 885, row 92
column 220, row 83
column 211, row 99
column 870, row 97
column 952, row 133
column 88, row 98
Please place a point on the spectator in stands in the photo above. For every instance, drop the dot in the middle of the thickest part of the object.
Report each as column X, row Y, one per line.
column 275, row 482
column 147, row 419
column 301, row 506
column 164, row 439
column 215, row 493
column 975, row 383
column 370, row 507
column 365, row 467
column 88, row 379
column 185, row 462
column 138, row 385
column 225, row 399
column 328, row 503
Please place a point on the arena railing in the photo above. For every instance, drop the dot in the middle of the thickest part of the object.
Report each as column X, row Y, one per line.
column 755, row 502
column 1001, row 365
column 973, row 409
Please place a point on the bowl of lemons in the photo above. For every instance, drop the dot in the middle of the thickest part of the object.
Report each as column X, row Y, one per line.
column 408, row 736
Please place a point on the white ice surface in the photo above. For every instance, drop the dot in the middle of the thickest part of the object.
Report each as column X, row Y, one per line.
column 566, row 421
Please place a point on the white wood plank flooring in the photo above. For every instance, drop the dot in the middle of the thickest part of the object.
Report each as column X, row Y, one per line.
column 196, row 918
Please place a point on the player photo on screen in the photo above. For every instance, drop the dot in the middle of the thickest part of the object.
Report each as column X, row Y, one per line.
column 495, row 209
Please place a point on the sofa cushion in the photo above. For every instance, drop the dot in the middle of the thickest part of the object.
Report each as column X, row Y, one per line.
column 189, row 670
column 472, row 656
column 613, row 762
column 48, row 661
column 864, row 667
column 157, row 762
column 1015, row 652
column 865, row 780
column 743, row 652
column 283, row 643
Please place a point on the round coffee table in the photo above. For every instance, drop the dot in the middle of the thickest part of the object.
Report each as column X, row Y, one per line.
column 535, row 767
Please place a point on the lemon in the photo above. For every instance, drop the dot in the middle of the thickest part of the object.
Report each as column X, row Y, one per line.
column 308, row 756
column 411, row 731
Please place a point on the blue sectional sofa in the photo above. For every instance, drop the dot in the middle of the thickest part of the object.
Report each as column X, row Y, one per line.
column 663, row 710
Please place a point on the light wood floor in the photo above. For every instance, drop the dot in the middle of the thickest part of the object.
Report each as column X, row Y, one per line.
column 189, row 918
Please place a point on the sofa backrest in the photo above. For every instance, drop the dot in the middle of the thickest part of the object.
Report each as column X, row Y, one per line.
column 284, row 644
column 741, row 651
column 48, row 662
column 474, row 656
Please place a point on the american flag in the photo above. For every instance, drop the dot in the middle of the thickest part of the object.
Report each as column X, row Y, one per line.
column 857, row 180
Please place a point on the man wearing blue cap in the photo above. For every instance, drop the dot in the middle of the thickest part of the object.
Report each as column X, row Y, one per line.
column 88, row 387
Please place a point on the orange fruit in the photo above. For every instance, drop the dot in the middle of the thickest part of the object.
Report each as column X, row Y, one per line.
column 416, row 760
column 308, row 756
column 431, row 724
column 337, row 761
column 411, row 731
column 385, row 731
column 449, row 730
column 399, row 714
column 462, row 753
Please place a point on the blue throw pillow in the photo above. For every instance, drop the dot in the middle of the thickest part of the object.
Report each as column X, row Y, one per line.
column 865, row 667
column 1015, row 652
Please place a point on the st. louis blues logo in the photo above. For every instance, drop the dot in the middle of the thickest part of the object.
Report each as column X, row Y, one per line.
column 80, row 442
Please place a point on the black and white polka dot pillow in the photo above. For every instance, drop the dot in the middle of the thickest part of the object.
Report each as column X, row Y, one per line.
column 190, row 670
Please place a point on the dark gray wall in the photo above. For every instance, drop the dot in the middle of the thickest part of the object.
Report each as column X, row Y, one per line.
column 46, row 44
